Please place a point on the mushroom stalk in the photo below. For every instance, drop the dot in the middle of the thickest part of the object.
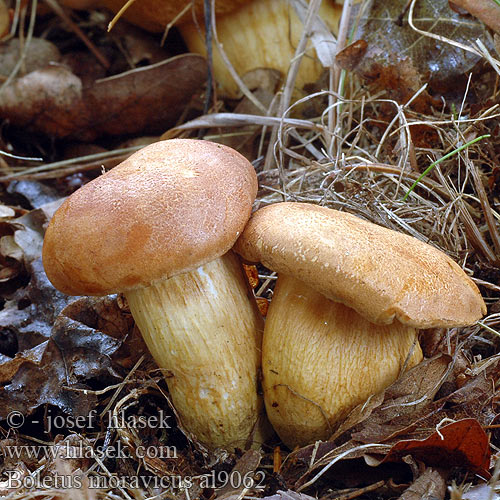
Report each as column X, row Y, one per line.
column 260, row 34
column 205, row 334
column 321, row 358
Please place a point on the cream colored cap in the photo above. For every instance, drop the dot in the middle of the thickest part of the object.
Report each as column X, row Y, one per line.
column 380, row 273
column 169, row 208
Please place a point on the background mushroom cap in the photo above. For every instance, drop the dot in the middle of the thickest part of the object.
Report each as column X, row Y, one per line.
column 380, row 273
column 154, row 15
column 169, row 208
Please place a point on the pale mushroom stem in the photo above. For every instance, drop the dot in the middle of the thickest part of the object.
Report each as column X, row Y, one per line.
column 261, row 34
column 321, row 358
column 204, row 331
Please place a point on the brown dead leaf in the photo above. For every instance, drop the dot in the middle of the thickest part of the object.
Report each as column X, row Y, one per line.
column 406, row 411
column 86, row 337
column 288, row 495
column 350, row 56
column 38, row 54
column 263, row 305
column 54, row 101
column 486, row 10
column 431, row 484
column 21, row 238
column 399, row 59
column 252, row 275
column 245, row 468
column 407, row 396
column 44, row 381
column 461, row 444
column 481, row 491
column 30, row 313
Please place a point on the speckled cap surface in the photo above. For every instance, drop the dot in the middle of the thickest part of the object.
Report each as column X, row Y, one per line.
column 380, row 273
column 169, row 208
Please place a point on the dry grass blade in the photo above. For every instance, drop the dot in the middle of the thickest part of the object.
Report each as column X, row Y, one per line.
column 81, row 35
column 240, row 120
column 487, row 211
column 68, row 167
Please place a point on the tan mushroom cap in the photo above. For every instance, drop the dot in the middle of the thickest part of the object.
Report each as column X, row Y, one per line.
column 169, row 208
column 154, row 15
column 380, row 273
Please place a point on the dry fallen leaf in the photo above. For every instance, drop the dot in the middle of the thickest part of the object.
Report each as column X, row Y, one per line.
column 85, row 344
column 39, row 54
column 252, row 275
column 244, row 468
column 408, row 411
column 481, row 492
column 430, row 485
column 54, row 101
column 401, row 60
column 486, row 10
column 288, row 495
column 373, row 421
column 461, row 444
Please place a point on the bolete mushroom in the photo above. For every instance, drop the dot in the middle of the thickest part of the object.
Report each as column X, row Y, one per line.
column 159, row 228
column 343, row 319
column 254, row 34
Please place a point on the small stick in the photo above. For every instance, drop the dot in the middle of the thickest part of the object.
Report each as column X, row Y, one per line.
column 78, row 32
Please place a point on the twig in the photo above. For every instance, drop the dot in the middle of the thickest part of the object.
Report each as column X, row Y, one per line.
column 54, row 5
column 119, row 14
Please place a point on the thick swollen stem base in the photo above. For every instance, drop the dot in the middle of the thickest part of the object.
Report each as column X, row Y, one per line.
column 204, row 331
column 321, row 358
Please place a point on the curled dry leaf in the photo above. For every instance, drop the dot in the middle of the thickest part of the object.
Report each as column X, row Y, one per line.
column 431, row 484
column 288, row 495
column 479, row 492
column 461, row 444
column 486, row 10
column 409, row 394
column 28, row 316
column 41, row 375
column 54, row 101
column 39, row 195
column 245, row 467
column 401, row 60
column 408, row 410
column 21, row 238
column 252, row 275
column 38, row 54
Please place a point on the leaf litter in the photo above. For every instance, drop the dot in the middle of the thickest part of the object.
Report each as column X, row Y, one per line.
column 357, row 147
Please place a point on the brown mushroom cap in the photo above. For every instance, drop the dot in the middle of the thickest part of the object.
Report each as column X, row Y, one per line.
column 154, row 15
column 380, row 273
column 169, row 208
